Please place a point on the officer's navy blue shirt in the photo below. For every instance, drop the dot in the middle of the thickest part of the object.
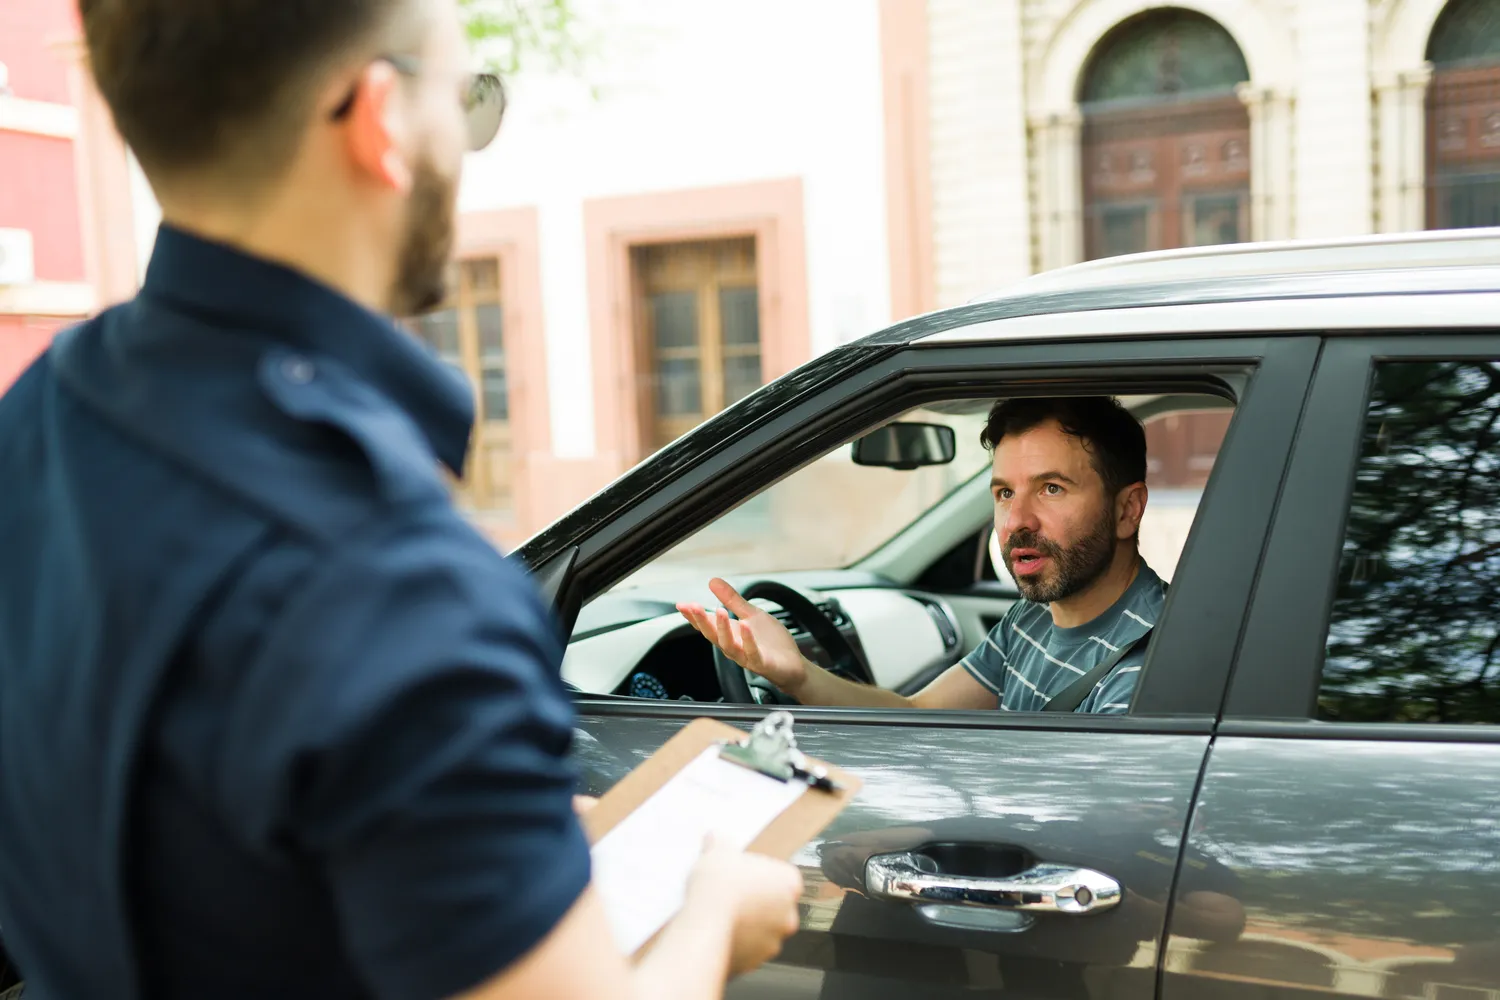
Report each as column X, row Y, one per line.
column 274, row 720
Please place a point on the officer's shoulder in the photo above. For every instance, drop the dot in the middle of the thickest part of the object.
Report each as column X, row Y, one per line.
column 291, row 436
column 348, row 429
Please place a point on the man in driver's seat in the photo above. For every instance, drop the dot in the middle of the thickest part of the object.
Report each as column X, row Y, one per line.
column 1069, row 491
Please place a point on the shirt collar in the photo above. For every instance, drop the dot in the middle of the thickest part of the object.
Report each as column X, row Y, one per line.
column 227, row 286
column 1145, row 578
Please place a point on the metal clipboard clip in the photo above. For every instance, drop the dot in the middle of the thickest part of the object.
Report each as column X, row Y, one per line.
column 771, row 749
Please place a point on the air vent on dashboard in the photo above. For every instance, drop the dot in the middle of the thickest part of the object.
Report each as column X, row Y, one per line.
column 830, row 609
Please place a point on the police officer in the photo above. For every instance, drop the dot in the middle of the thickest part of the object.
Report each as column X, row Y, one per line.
column 274, row 720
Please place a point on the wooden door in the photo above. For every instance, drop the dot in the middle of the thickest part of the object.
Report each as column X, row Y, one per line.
column 697, row 332
column 1174, row 175
column 1463, row 117
column 1463, row 147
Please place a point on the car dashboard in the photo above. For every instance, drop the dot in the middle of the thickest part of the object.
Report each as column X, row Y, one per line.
column 637, row 645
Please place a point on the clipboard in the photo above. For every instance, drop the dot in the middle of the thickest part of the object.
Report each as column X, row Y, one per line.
column 769, row 751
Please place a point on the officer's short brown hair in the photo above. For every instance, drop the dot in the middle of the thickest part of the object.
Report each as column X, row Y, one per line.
column 230, row 84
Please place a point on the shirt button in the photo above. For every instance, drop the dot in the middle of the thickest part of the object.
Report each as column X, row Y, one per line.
column 298, row 370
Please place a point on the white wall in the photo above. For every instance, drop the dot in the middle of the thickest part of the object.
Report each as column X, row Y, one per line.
column 1335, row 158
column 690, row 94
column 145, row 215
column 696, row 94
column 981, row 192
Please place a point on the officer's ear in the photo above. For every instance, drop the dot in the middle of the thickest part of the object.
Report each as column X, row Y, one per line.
column 371, row 123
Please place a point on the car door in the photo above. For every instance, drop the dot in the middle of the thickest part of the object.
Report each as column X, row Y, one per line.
column 983, row 795
column 1351, row 794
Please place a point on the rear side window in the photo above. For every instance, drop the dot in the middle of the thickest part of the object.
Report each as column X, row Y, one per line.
column 1413, row 635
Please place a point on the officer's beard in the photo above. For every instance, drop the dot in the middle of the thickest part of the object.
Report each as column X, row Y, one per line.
column 422, row 269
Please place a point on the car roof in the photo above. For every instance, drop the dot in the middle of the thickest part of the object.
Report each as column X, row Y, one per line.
column 1447, row 279
column 1396, row 252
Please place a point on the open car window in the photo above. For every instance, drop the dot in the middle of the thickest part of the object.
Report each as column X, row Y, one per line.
column 905, row 560
column 826, row 515
column 833, row 513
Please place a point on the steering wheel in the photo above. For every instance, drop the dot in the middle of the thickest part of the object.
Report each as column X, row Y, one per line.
column 736, row 682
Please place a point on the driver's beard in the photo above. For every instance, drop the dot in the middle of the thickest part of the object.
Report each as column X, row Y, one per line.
column 1074, row 567
column 421, row 282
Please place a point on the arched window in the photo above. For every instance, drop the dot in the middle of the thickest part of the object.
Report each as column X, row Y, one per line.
column 1463, row 117
column 1166, row 143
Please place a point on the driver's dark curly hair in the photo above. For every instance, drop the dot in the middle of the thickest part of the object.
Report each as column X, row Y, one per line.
column 1115, row 440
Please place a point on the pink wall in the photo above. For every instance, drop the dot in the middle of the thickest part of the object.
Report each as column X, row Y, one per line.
column 39, row 189
column 27, row 28
column 38, row 174
column 39, row 192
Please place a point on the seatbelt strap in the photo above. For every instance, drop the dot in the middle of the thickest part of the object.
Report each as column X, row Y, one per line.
column 1070, row 697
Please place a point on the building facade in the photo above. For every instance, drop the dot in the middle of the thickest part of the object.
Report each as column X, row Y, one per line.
column 1064, row 130
column 734, row 188
column 1068, row 130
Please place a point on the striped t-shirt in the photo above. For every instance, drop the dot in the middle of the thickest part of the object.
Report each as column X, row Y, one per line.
column 1027, row 660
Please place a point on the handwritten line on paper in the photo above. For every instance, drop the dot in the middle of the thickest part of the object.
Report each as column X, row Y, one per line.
column 641, row 867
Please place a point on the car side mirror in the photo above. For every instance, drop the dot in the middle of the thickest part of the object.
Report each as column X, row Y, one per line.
column 906, row 446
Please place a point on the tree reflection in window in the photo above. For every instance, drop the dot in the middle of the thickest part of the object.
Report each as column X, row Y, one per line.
column 1414, row 635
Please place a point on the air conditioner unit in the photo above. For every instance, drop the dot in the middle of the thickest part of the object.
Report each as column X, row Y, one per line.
column 17, row 265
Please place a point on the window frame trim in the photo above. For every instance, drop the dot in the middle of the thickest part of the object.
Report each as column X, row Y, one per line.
column 1278, row 673
column 769, row 211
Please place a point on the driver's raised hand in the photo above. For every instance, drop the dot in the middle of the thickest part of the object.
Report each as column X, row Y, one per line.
column 757, row 641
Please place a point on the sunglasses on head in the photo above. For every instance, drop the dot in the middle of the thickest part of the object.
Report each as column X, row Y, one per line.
column 482, row 97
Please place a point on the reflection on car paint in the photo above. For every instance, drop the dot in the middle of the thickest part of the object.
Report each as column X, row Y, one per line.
column 1369, row 870
column 1113, row 802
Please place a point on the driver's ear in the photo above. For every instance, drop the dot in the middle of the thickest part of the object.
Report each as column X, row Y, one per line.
column 371, row 129
column 1130, row 507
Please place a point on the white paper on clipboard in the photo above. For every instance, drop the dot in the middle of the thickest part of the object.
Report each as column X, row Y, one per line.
column 641, row 867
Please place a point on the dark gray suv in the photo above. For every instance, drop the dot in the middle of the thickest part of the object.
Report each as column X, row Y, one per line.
column 1304, row 796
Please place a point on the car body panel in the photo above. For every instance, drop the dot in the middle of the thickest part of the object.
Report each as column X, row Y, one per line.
column 1410, row 251
column 1369, row 853
column 1342, row 315
column 1115, row 802
column 1367, row 869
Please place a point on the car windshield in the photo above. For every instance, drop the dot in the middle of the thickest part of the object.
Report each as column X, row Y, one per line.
column 826, row 515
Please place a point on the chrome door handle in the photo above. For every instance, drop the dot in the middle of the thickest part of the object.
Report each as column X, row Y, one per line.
column 1042, row 889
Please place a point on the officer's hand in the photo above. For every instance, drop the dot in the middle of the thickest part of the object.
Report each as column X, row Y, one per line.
column 761, row 891
column 757, row 641
column 583, row 803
